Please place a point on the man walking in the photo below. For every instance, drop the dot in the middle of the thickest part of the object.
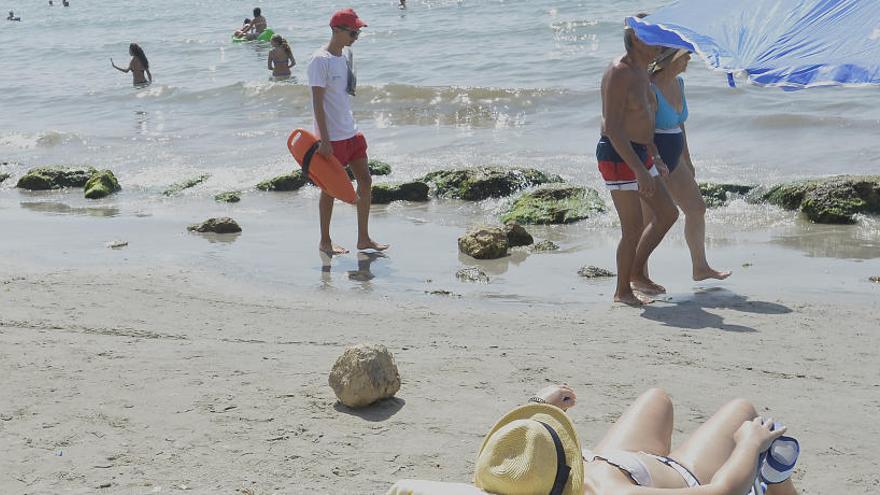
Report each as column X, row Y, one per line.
column 629, row 170
column 332, row 79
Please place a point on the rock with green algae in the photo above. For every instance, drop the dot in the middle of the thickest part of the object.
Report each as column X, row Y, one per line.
column 718, row 194
column 834, row 200
column 545, row 246
column 44, row 178
column 377, row 167
column 185, row 184
column 228, row 197
column 222, row 225
column 472, row 274
column 484, row 243
column 477, row 184
column 554, row 204
column 101, row 185
column 409, row 191
column 287, row 182
column 595, row 272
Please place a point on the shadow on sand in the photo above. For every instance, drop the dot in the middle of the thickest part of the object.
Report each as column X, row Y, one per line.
column 690, row 312
column 379, row 411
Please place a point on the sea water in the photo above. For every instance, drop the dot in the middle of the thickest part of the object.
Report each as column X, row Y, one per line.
column 442, row 83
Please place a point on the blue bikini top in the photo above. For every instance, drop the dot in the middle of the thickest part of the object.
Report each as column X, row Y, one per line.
column 667, row 117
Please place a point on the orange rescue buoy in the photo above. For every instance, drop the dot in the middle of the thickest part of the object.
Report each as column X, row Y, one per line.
column 326, row 173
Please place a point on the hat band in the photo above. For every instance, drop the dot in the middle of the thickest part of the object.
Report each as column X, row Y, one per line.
column 562, row 469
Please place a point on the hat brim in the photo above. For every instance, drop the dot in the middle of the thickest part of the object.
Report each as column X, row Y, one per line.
column 559, row 421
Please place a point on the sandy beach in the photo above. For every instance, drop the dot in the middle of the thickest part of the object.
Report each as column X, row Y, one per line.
column 163, row 381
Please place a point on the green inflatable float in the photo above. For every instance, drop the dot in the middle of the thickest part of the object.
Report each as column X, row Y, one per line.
column 266, row 35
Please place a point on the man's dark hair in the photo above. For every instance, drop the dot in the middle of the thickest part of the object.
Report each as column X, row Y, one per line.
column 257, row 12
column 629, row 34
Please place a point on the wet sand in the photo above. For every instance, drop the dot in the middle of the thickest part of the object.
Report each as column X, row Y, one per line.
column 199, row 363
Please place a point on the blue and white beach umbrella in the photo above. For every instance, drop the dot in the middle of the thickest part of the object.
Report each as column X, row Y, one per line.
column 793, row 44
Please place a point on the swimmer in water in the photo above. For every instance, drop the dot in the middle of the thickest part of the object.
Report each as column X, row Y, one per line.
column 138, row 66
column 12, row 17
column 245, row 27
column 281, row 57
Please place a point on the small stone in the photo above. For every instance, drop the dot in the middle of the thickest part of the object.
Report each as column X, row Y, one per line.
column 875, row 279
column 747, row 265
column 442, row 293
column 116, row 244
column 222, row 225
column 101, row 185
column 472, row 274
column 282, row 183
column 545, row 246
column 364, row 374
column 186, row 184
column 595, row 272
column 228, row 197
column 484, row 243
column 517, row 235
column 4, row 176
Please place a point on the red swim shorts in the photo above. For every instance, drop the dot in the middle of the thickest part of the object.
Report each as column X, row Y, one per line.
column 351, row 149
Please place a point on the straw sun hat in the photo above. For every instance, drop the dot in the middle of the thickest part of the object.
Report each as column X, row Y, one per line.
column 533, row 450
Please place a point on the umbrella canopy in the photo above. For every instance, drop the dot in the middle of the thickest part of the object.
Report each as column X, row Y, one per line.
column 793, row 44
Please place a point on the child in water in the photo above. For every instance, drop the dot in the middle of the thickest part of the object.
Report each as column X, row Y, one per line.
column 245, row 28
column 138, row 66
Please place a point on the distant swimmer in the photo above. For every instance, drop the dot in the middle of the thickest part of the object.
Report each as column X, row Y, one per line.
column 12, row 17
column 65, row 3
column 138, row 66
column 402, row 4
column 253, row 29
column 281, row 57
column 331, row 77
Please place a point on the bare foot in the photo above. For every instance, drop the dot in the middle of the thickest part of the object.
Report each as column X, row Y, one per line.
column 710, row 273
column 332, row 249
column 647, row 286
column 373, row 245
column 634, row 300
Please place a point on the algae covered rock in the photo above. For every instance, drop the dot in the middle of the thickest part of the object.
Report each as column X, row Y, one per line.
column 517, row 235
column 364, row 374
column 44, row 178
column 477, row 184
column 377, row 167
column 555, row 204
column 717, row 194
column 595, row 272
column 222, row 225
column 287, row 182
column 472, row 274
column 228, row 197
column 545, row 246
column 101, row 185
column 484, row 243
column 408, row 191
column 832, row 200
column 185, row 184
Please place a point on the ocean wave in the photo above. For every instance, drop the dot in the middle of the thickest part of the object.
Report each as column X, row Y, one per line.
column 47, row 139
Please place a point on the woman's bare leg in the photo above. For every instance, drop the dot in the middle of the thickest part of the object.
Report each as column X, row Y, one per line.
column 645, row 426
column 686, row 194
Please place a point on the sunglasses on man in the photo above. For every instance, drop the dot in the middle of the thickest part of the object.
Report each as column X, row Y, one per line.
column 354, row 33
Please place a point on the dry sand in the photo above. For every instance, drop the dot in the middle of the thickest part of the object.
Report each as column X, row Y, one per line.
column 164, row 382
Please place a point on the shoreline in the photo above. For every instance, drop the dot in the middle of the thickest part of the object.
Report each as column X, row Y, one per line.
column 161, row 380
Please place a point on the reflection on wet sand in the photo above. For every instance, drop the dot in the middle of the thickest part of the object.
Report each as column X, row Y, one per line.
column 498, row 266
column 63, row 209
column 364, row 272
column 214, row 237
column 861, row 242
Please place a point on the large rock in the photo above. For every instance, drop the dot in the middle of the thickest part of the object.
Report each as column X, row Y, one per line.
column 185, row 184
column 363, row 375
column 484, row 243
column 555, row 204
column 376, row 167
column 832, row 200
column 476, row 184
column 287, row 182
column 222, row 225
column 718, row 194
column 517, row 235
column 410, row 191
column 101, row 185
column 44, row 178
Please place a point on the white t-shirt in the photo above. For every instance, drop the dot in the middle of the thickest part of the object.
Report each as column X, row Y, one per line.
column 331, row 73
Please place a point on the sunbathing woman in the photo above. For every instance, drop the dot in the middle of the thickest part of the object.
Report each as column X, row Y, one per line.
column 280, row 57
column 670, row 146
column 138, row 66
column 636, row 456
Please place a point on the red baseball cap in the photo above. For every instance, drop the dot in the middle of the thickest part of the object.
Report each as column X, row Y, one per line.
column 347, row 18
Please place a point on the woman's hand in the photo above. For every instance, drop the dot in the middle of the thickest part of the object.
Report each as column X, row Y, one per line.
column 561, row 396
column 662, row 168
column 757, row 433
